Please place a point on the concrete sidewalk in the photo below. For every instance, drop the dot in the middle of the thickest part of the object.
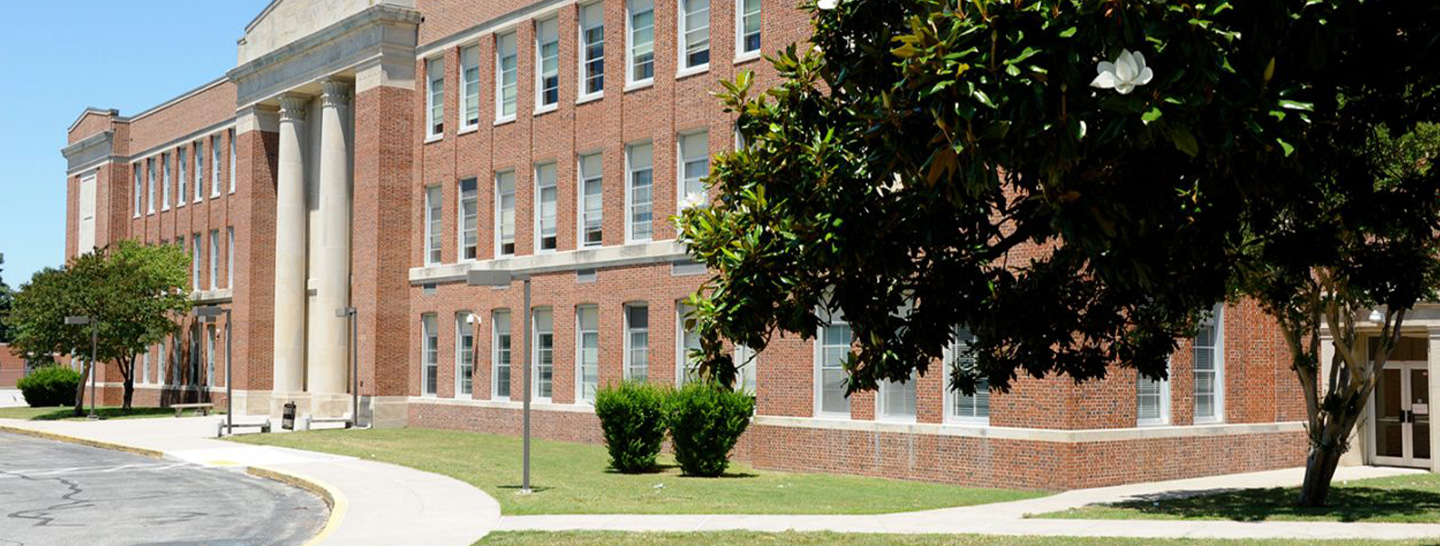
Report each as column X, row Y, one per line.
column 373, row 503
column 1010, row 518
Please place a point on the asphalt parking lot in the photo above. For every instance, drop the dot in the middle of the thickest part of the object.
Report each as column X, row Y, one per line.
column 54, row 493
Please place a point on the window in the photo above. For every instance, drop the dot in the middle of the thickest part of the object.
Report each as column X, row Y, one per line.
column 638, row 198
column 747, row 362
column 592, row 50
column 470, row 87
column 545, row 206
column 139, row 186
column 199, row 170
column 592, row 202
column 897, row 400
column 587, row 352
column 182, row 178
column 832, row 348
column 435, row 91
column 544, row 353
column 637, row 342
column 469, row 218
column 150, row 179
column 1152, row 401
column 695, row 34
column 505, row 214
column 159, row 361
column 85, row 232
column 689, row 342
column 641, row 52
column 747, row 27
column 694, row 166
column 547, row 63
column 230, row 257
column 433, row 210
column 464, row 354
column 165, row 189
column 145, row 366
column 429, row 355
column 214, row 258
column 1210, row 368
column 505, row 77
column 231, row 136
column 975, row 408
column 215, row 166
column 195, row 262
column 194, row 371
column 210, row 355
column 500, row 354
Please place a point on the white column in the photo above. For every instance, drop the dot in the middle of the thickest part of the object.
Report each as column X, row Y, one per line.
column 328, row 371
column 290, row 248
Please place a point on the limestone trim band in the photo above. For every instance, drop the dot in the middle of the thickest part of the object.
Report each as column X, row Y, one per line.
column 1034, row 434
column 551, row 262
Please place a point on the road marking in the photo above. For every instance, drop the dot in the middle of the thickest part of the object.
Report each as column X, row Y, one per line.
column 55, row 472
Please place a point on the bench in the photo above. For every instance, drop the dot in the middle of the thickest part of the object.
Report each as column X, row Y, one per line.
column 202, row 408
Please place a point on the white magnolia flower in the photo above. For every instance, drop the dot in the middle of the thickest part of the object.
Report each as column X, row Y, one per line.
column 827, row 4
column 1125, row 74
column 694, row 199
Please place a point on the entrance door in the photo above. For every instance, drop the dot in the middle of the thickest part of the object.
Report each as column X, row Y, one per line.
column 1402, row 415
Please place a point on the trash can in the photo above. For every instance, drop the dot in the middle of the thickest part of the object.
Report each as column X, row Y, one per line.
column 287, row 418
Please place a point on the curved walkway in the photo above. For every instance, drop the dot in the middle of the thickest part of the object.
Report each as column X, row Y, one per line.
column 373, row 503
column 1009, row 518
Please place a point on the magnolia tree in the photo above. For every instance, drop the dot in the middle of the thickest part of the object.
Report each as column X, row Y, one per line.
column 133, row 292
column 1074, row 182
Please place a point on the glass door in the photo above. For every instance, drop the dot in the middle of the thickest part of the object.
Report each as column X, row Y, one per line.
column 1402, row 415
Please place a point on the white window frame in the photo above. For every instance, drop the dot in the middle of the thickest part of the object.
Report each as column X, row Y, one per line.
column 199, row 170
column 630, row 236
column 195, row 262
column 1217, row 319
column 681, row 40
column 541, row 106
column 214, row 259
column 681, row 180
column 884, row 391
column 682, row 362
column 538, row 212
column 434, row 225
column 819, row 367
column 741, row 54
column 499, row 217
column 580, row 332
column 429, row 358
column 150, row 179
column 86, row 212
column 951, row 354
column 469, row 93
column 214, row 166
column 500, row 85
column 630, row 81
column 230, row 257
column 463, row 320
column 138, row 168
column 434, row 98
column 581, row 181
column 582, row 54
column 460, row 230
column 182, row 185
column 165, row 189
column 629, row 331
column 210, row 336
column 1163, row 401
column 535, row 363
column 498, row 317
column 230, row 135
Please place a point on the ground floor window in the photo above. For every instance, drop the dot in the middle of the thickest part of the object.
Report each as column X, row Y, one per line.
column 500, row 354
column 1152, row 401
column 1209, row 365
column 464, row 353
column 544, row 353
column 832, row 348
column 689, row 342
column 963, row 408
column 429, row 355
column 637, row 342
column 587, row 357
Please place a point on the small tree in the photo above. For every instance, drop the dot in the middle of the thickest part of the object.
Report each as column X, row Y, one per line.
column 133, row 292
column 6, row 296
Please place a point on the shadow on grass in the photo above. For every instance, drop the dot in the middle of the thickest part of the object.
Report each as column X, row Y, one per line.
column 104, row 413
column 1346, row 504
column 533, row 488
column 663, row 468
column 658, row 469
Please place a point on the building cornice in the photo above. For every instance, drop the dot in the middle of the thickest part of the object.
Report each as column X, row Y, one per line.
column 502, row 22
column 178, row 98
column 92, row 152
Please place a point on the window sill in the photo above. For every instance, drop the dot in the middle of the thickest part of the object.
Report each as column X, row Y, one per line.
column 687, row 72
column 636, row 86
column 468, row 130
column 590, row 98
column 1148, row 424
column 903, row 420
column 504, row 120
column 833, row 416
column 968, row 421
column 433, row 138
column 639, row 241
column 215, row 195
column 545, row 109
column 180, row 204
column 198, row 200
column 747, row 57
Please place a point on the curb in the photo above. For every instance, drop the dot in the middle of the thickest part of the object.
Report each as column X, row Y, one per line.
column 333, row 497
column 83, row 441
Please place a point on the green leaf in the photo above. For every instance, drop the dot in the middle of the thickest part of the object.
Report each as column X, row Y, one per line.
column 1296, row 105
column 1285, row 146
column 1152, row 115
column 1067, row 32
column 1184, row 140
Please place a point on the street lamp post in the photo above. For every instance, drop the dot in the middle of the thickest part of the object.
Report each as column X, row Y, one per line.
column 349, row 314
column 94, row 341
column 502, row 277
column 208, row 314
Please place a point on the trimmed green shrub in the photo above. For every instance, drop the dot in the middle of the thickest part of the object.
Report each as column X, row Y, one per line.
column 632, row 416
column 705, row 421
column 49, row 386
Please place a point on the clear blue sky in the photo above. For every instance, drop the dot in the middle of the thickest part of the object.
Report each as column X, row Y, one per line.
column 59, row 56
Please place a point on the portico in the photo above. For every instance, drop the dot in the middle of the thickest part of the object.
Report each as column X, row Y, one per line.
column 1398, row 428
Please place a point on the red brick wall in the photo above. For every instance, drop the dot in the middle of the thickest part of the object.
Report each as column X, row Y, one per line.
column 12, row 367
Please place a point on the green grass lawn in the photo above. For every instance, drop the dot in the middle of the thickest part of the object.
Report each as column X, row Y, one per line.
column 572, row 478
column 598, row 538
column 1411, row 498
column 68, row 413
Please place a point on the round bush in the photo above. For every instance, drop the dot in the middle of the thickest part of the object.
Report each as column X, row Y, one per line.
column 50, row 386
column 632, row 416
column 705, row 421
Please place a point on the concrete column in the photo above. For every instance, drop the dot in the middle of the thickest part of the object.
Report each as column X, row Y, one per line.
column 328, row 371
column 290, row 248
column 1433, row 356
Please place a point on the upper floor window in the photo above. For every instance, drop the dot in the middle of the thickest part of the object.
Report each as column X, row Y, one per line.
column 547, row 63
column 694, row 167
column 215, row 166
column 182, row 177
column 638, row 199
column 199, row 170
column 968, row 408
column 139, row 188
column 433, row 211
column 470, row 87
column 747, row 27
column 1209, row 366
column 150, row 178
column 214, row 259
column 469, row 219
column 435, row 91
column 505, row 213
column 165, row 189
column 832, row 347
column 591, row 200
column 230, row 257
column 641, row 51
column 231, row 137
column 592, row 49
column 587, row 351
column 695, row 34
column 637, row 342
column 195, row 263
column 545, row 196
column 505, row 58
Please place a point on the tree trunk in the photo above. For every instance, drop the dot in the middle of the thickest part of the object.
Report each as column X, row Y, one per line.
column 80, row 392
column 129, row 394
column 1320, row 468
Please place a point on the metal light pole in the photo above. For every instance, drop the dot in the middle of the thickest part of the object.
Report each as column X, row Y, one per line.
column 94, row 341
column 208, row 314
column 502, row 277
column 348, row 313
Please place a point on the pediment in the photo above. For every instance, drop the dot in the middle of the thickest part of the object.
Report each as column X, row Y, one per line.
column 285, row 21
